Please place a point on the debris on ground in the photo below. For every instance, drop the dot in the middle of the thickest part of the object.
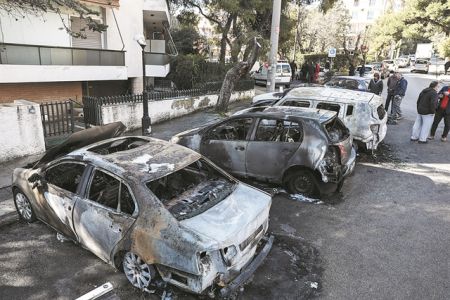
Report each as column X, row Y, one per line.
column 314, row 285
column 384, row 154
column 61, row 238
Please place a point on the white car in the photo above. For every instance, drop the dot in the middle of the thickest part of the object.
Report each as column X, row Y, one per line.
column 421, row 65
column 282, row 76
column 363, row 113
column 390, row 64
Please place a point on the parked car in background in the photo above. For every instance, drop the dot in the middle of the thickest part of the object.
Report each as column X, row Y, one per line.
column 348, row 82
column 402, row 62
column 381, row 69
column 282, row 76
column 420, row 65
column 363, row 113
column 309, row 151
column 390, row 64
column 149, row 207
column 436, row 65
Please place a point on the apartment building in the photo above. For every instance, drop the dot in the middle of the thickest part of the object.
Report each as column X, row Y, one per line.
column 40, row 61
column 365, row 12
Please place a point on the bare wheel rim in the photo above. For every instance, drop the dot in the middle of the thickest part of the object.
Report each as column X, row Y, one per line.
column 303, row 184
column 23, row 206
column 136, row 270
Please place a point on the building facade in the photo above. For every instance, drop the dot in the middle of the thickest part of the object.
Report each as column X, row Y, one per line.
column 364, row 13
column 41, row 61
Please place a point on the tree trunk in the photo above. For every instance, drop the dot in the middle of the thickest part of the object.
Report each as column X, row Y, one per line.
column 223, row 41
column 233, row 75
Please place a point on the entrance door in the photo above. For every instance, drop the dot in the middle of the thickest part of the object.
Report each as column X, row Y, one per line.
column 226, row 144
column 103, row 218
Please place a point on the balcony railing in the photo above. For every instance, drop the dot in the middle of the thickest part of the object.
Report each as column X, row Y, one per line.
column 159, row 59
column 18, row 54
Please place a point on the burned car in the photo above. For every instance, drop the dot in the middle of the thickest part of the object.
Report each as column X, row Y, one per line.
column 309, row 151
column 363, row 113
column 155, row 209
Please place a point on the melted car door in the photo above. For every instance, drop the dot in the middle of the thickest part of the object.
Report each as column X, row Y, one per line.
column 226, row 144
column 104, row 215
column 60, row 195
column 272, row 147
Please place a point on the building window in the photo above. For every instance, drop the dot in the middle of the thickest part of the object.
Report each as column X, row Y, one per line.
column 356, row 3
column 372, row 2
column 370, row 15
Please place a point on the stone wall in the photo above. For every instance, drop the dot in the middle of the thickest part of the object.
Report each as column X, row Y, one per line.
column 21, row 132
column 130, row 114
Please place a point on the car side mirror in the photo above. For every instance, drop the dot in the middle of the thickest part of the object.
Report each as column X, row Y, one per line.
column 37, row 180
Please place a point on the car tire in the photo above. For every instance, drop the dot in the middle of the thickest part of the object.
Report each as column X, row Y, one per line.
column 138, row 273
column 287, row 86
column 23, row 207
column 302, row 182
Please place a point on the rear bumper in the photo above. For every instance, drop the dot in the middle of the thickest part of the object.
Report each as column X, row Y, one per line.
column 248, row 271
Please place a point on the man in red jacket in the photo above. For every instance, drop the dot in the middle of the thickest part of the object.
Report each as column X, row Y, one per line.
column 442, row 112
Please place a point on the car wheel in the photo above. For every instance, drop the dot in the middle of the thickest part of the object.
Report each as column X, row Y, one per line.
column 138, row 273
column 302, row 182
column 287, row 86
column 23, row 207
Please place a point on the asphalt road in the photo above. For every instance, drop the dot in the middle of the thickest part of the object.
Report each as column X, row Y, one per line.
column 386, row 237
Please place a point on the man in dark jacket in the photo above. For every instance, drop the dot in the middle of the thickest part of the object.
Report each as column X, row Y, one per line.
column 426, row 107
column 376, row 85
column 391, row 83
column 399, row 93
column 351, row 70
column 442, row 112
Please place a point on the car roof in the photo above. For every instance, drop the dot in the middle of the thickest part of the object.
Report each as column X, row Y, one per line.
column 349, row 77
column 147, row 162
column 329, row 94
column 287, row 112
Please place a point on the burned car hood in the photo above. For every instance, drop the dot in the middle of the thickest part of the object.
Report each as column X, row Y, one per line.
column 82, row 138
column 233, row 219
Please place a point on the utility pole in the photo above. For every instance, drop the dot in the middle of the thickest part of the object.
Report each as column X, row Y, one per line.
column 275, row 30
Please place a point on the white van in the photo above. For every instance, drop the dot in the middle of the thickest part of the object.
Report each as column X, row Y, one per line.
column 282, row 76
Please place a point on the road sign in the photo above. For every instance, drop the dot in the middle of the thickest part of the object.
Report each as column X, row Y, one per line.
column 332, row 52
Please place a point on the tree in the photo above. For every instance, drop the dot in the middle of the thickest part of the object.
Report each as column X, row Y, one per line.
column 20, row 8
column 428, row 14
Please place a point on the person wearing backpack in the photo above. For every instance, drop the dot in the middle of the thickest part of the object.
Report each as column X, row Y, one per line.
column 442, row 112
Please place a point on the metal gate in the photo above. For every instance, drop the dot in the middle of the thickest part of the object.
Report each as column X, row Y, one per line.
column 57, row 118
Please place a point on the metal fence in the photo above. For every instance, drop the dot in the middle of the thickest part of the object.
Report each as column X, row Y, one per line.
column 92, row 105
column 57, row 118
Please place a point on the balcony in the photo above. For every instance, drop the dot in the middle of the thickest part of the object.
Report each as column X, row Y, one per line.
column 157, row 64
column 34, row 63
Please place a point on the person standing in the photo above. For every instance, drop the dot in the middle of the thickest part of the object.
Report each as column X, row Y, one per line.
column 391, row 83
column 362, row 70
column 293, row 69
column 426, row 107
column 351, row 70
column 442, row 112
column 316, row 72
column 399, row 93
column 446, row 66
column 376, row 85
column 310, row 72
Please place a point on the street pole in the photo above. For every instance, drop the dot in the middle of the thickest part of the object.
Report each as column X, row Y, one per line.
column 275, row 30
column 146, row 121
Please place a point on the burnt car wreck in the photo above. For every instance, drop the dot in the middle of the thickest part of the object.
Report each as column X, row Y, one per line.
column 309, row 151
column 150, row 208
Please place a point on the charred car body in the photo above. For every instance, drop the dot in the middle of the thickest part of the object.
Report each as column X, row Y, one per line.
column 151, row 207
column 363, row 113
column 307, row 150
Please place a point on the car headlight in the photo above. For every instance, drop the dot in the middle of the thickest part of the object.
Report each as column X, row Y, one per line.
column 374, row 128
column 228, row 253
column 175, row 139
